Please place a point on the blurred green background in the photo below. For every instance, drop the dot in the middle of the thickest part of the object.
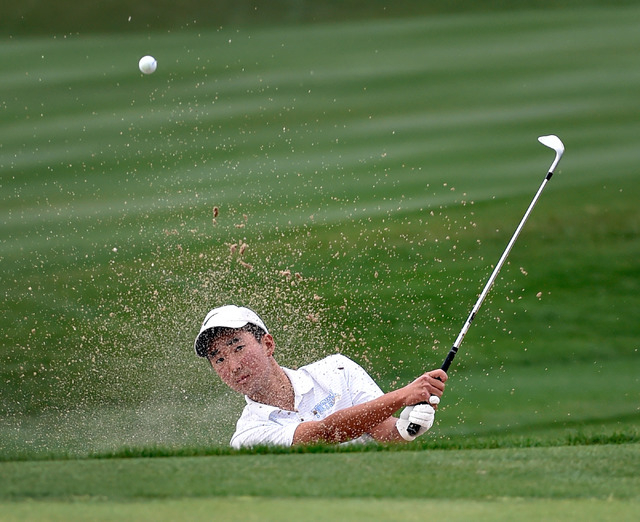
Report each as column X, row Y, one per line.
column 121, row 16
column 369, row 162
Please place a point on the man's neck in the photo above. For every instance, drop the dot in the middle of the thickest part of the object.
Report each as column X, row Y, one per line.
column 279, row 392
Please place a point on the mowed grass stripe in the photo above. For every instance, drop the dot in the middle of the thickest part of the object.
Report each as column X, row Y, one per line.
column 246, row 508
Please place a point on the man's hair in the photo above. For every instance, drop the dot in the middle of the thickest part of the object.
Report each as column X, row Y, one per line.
column 219, row 331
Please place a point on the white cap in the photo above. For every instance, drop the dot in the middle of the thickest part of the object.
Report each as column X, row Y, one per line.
column 229, row 316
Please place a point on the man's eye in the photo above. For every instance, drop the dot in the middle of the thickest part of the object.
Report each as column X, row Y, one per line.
column 219, row 360
column 239, row 348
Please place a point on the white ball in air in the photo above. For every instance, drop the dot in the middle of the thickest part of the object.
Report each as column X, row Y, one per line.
column 147, row 64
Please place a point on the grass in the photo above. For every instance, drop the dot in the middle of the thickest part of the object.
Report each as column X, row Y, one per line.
column 387, row 163
column 600, row 471
column 247, row 508
column 593, row 481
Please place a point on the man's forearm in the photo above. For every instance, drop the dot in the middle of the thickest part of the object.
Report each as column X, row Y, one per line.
column 386, row 431
column 350, row 423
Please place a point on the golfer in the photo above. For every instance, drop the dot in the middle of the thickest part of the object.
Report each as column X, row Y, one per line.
column 330, row 401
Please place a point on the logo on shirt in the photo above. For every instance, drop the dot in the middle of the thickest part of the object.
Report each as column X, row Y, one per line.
column 325, row 404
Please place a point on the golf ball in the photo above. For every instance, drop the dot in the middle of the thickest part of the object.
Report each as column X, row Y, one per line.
column 147, row 64
column 434, row 399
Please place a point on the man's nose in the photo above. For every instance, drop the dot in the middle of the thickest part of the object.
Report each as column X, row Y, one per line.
column 235, row 363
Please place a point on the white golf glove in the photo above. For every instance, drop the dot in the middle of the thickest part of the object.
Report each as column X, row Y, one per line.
column 421, row 414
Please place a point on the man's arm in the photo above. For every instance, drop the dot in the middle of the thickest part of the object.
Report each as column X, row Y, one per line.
column 374, row 416
column 386, row 431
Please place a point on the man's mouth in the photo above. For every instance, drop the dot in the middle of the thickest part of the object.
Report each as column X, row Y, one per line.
column 243, row 379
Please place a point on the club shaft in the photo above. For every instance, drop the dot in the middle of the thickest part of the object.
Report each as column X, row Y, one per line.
column 549, row 141
column 487, row 287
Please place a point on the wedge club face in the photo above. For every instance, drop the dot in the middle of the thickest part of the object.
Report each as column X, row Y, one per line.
column 553, row 142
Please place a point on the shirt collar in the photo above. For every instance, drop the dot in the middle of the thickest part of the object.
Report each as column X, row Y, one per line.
column 301, row 383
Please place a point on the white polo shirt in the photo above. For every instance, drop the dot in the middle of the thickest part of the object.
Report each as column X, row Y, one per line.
column 321, row 388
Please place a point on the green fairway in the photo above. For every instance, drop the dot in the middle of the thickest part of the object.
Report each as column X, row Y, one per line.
column 367, row 173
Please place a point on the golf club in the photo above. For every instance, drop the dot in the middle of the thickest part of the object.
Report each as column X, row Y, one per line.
column 553, row 142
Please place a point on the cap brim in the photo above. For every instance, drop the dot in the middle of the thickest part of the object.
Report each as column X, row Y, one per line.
column 229, row 316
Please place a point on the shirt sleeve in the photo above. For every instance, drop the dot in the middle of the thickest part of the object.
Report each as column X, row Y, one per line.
column 360, row 384
column 252, row 430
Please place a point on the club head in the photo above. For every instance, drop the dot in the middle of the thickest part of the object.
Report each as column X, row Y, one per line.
column 553, row 142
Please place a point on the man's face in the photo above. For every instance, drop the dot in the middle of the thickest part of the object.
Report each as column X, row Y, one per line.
column 241, row 361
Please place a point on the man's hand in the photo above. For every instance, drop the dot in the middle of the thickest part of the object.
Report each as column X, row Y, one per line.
column 424, row 387
column 421, row 414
